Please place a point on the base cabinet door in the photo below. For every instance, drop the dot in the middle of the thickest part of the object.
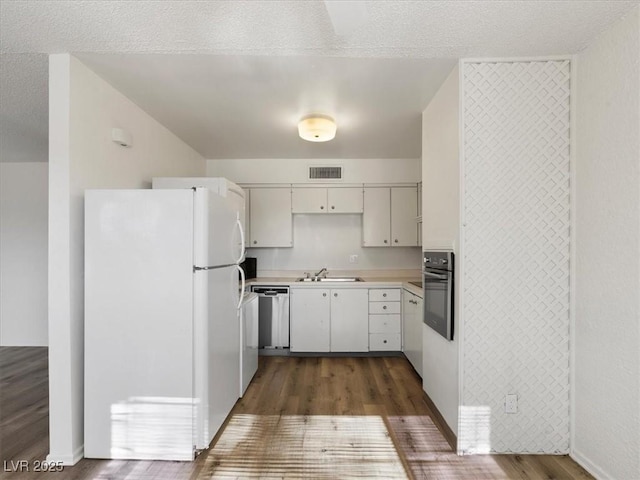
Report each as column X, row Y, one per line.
column 412, row 330
column 349, row 320
column 310, row 320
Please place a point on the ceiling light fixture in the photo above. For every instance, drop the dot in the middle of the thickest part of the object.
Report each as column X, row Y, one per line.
column 317, row 128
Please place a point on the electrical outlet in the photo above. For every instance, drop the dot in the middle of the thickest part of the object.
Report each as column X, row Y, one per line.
column 511, row 403
column 353, row 258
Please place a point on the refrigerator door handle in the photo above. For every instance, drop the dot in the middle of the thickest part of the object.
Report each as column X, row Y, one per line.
column 241, row 230
column 242, row 278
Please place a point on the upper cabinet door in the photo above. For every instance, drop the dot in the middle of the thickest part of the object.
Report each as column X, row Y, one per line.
column 309, row 200
column 376, row 219
column 271, row 222
column 344, row 200
column 404, row 213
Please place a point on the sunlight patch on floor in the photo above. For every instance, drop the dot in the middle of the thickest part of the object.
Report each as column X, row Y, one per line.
column 304, row 446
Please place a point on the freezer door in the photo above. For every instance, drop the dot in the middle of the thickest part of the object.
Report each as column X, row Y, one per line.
column 219, row 185
column 218, row 341
column 217, row 237
column 138, row 325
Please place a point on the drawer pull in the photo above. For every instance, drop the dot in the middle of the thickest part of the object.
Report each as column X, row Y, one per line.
column 384, row 294
column 384, row 341
column 384, row 307
column 335, row 294
column 324, row 294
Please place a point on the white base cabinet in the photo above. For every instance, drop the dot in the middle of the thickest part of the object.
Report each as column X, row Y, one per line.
column 349, row 320
column 329, row 320
column 412, row 329
column 384, row 319
column 310, row 313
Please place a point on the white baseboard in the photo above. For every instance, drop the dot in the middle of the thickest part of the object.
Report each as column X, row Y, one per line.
column 67, row 460
column 589, row 466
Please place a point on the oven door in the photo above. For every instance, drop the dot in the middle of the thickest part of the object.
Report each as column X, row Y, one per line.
column 438, row 301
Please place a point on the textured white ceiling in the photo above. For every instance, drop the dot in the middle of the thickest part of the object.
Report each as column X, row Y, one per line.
column 273, row 29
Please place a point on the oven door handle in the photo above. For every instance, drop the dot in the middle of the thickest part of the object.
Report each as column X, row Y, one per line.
column 435, row 275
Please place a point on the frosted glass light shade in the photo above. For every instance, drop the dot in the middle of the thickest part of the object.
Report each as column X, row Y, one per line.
column 317, row 128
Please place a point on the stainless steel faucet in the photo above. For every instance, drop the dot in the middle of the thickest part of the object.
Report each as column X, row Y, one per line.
column 324, row 270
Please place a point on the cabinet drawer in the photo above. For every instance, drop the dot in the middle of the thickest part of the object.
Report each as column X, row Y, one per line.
column 384, row 307
column 384, row 341
column 384, row 295
column 384, row 323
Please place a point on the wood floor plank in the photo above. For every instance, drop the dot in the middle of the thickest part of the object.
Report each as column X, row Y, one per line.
column 386, row 387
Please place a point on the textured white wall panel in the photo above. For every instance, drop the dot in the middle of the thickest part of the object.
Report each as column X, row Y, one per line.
column 516, row 248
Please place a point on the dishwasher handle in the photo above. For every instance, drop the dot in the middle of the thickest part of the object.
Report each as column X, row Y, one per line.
column 270, row 291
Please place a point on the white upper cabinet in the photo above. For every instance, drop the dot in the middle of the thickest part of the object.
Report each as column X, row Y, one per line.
column 309, row 200
column 270, row 217
column 390, row 217
column 344, row 200
column 327, row 200
column 404, row 213
column 376, row 221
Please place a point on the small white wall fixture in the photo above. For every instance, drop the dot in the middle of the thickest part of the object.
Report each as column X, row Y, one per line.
column 516, row 255
column 122, row 137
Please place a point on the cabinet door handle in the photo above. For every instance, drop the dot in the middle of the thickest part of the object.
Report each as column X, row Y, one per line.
column 321, row 207
column 335, row 294
column 255, row 241
column 324, row 294
column 386, row 241
column 396, row 240
column 333, row 207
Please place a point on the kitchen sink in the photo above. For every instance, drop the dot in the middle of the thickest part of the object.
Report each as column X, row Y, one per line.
column 330, row 279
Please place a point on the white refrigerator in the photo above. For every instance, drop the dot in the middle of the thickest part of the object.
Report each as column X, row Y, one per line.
column 161, row 321
column 248, row 319
column 219, row 185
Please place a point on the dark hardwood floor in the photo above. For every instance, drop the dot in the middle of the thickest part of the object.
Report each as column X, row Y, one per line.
column 386, row 387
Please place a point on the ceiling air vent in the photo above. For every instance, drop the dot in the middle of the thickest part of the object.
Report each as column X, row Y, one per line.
column 325, row 173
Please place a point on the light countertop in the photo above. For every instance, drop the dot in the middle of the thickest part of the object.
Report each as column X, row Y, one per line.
column 368, row 282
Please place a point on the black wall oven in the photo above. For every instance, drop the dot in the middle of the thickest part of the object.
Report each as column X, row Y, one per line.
column 437, row 286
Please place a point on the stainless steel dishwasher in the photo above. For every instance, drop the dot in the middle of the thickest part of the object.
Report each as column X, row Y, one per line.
column 273, row 316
